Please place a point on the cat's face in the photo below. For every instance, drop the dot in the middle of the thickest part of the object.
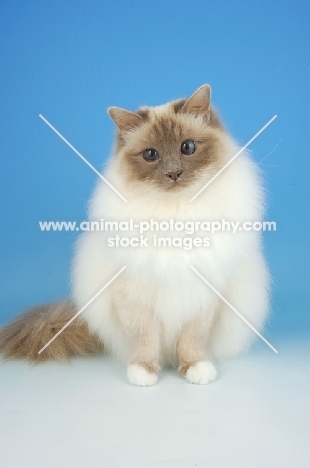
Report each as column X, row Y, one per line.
column 169, row 146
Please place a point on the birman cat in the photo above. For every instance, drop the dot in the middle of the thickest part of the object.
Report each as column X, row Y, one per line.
column 158, row 312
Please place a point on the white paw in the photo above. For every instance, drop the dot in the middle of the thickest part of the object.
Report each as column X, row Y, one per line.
column 138, row 375
column 202, row 373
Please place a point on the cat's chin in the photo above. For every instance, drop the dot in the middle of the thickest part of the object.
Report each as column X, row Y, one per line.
column 175, row 187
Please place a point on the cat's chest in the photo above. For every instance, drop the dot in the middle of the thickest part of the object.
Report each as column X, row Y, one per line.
column 166, row 259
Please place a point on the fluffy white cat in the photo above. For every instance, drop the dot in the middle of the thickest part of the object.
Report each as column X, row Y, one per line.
column 158, row 311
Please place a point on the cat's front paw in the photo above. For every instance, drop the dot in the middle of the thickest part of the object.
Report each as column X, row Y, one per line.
column 201, row 373
column 138, row 375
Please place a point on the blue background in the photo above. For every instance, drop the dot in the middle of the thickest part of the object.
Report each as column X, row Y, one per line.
column 71, row 60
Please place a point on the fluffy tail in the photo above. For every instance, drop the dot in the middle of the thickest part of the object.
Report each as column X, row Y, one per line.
column 25, row 337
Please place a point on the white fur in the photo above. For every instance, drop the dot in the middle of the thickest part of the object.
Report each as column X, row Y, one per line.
column 161, row 279
column 138, row 375
column 203, row 372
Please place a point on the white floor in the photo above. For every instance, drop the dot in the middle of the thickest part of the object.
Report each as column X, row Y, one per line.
column 257, row 415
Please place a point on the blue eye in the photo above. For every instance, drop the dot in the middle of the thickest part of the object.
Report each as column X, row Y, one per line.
column 150, row 155
column 188, row 147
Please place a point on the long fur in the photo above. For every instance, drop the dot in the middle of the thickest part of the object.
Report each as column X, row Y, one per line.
column 145, row 313
column 158, row 311
column 26, row 336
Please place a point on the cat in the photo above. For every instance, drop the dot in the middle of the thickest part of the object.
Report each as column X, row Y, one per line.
column 158, row 311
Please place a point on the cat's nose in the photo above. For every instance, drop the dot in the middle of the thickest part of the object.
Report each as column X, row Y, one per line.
column 174, row 175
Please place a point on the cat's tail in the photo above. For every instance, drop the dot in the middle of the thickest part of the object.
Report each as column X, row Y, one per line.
column 30, row 332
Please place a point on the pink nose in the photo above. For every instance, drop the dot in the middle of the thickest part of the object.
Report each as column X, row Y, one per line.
column 174, row 175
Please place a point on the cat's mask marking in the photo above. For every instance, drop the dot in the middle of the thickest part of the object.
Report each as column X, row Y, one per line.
column 164, row 129
column 197, row 104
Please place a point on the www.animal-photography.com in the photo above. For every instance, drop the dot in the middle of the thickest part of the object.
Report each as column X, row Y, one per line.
column 154, row 254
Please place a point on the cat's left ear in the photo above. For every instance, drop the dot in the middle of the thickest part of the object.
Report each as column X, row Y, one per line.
column 199, row 102
column 124, row 119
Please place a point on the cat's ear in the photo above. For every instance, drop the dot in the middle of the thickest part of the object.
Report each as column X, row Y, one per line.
column 124, row 119
column 199, row 102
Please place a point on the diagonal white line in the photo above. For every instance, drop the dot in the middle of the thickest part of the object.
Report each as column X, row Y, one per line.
column 82, row 157
column 83, row 308
column 234, row 310
column 233, row 158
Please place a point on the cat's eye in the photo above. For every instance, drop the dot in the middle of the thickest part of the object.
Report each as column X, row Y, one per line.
column 150, row 155
column 188, row 147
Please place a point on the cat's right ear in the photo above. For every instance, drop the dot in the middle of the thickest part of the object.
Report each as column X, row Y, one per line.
column 124, row 119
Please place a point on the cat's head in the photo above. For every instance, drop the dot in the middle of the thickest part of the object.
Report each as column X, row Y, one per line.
column 172, row 145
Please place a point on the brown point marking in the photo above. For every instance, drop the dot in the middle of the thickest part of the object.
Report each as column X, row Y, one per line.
column 184, row 366
column 150, row 367
column 27, row 334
